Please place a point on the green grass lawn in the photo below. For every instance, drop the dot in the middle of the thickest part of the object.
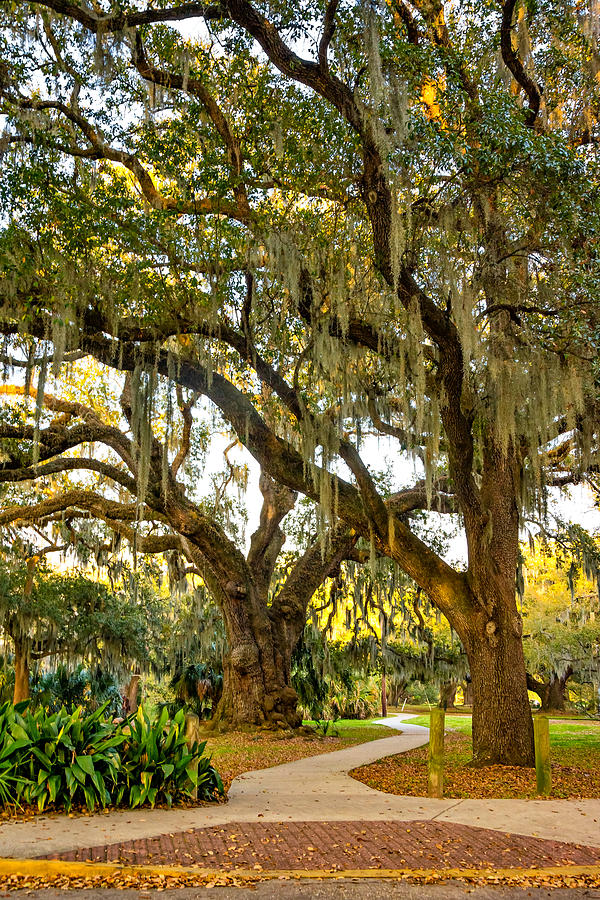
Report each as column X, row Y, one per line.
column 563, row 735
column 456, row 723
column 347, row 726
column 575, row 735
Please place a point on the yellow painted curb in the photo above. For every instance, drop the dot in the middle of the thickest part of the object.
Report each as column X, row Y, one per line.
column 55, row 867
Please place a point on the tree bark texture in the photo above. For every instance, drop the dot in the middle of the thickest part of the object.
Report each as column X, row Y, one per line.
column 502, row 724
column 468, row 693
column 256, row 671
column 21, row 691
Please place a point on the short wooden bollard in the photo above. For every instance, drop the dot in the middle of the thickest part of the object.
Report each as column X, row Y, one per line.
column 543, row 775
column 192, row 736
column 435, row 759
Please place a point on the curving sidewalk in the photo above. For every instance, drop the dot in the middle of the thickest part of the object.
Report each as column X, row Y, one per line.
column 314, row 789
column 319, row 788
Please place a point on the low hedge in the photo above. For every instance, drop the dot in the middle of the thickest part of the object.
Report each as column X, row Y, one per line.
column 69, row 758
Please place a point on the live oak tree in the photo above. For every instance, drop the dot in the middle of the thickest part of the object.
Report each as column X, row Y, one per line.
column 386, row 215
column 262, row 625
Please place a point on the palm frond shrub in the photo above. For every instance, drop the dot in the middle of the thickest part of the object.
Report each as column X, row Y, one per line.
column 358, row 699
column 89, row 688
column 197, row 688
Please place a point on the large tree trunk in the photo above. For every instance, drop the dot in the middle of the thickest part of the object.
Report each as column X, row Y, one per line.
column 21, row 691
column 481, row 608
column 556, row 696
column 250, row 699
column 251, row 695
column 256, row 670
column 502, row 724
column 491, row 631
column 257, row 687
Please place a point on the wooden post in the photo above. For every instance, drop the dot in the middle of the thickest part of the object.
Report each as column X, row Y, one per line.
column 435, row 761
column 541, row 731
column 192, row 736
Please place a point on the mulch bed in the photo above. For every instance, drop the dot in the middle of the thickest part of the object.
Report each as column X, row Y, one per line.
column 575, row 774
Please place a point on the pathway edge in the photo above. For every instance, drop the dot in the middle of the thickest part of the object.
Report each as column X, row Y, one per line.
column 44, row 867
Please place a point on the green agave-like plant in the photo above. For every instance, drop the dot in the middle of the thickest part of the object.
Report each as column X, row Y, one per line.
column 65, row 758
column 159, row 765
column 69, row 758
column 11, row 752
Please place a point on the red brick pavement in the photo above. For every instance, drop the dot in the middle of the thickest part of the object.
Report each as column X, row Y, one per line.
column 341, row 845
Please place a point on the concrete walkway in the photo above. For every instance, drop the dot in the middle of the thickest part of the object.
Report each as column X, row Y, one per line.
column 315, row 789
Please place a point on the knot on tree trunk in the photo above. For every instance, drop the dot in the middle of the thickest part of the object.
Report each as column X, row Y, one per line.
column 490, row 630
column 289, row 696
column 517, row 626
column 281, row 710
column 244, row 657
column 236, row 590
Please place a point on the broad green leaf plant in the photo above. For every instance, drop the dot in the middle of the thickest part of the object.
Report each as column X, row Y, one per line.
column 68, row 759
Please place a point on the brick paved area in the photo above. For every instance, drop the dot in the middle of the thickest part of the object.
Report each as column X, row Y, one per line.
column 341, row 845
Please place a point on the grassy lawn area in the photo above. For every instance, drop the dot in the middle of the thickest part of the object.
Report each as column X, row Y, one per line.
column 424, row 710
column 240, row 751
column 575, row 748
column 453, row 723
